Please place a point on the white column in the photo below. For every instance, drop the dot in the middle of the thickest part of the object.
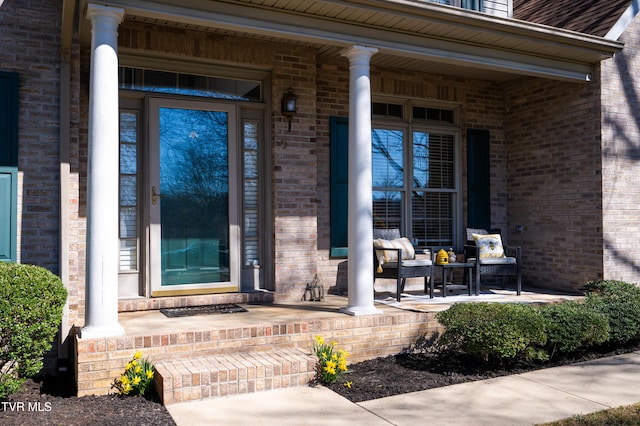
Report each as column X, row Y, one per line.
column 360, row 233
column 101, row 288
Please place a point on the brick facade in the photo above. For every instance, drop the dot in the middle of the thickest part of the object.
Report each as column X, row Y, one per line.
column 554, row 183
column 30, row 46
column 620, row 147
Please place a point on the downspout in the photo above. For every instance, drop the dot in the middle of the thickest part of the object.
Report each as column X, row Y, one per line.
column 68, row 14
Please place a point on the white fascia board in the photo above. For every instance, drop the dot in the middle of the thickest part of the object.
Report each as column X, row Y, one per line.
column 624, row 21
column 303, row 28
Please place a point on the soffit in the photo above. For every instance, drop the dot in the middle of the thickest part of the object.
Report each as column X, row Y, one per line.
column 409, row 34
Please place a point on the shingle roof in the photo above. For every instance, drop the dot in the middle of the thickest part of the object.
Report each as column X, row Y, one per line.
column 595, row 17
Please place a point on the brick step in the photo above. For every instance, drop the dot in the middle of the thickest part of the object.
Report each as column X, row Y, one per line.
column 182, row 380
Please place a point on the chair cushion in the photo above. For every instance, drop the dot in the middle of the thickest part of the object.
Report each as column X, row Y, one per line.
column 498, row 261
column 489, row 246
column 471, row 231
column 410, row 263
column 386, row 256
column 386, row 234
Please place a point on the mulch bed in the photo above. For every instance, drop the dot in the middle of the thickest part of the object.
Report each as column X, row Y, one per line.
column 416, row 371
column 50, row 400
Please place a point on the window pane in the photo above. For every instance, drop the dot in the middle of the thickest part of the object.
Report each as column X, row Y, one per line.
column 251, row 236
column 433, row 161
column 432, row 215
column 387, row 158
column 387, row 209
column 189, row 84
column 128, row 222
column 128, row 158
column 128, row 255
column 128, row 191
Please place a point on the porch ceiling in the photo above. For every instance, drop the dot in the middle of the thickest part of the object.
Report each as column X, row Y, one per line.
column 410, row 34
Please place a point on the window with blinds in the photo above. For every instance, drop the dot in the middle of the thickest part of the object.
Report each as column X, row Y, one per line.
column 414, row 174
column 251, row 235
column 465, row 4
column 129, row 250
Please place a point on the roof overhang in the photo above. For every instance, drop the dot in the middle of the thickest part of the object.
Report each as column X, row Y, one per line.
column 409, row 34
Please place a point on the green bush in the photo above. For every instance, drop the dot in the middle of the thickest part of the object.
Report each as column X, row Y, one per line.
column 620, row 302
column 572, row 325
column 31, row 302
column 494, row 330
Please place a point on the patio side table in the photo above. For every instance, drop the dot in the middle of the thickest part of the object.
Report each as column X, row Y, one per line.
column 468, row 269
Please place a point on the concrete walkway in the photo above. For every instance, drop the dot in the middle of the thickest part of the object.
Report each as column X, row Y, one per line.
column 523, row 399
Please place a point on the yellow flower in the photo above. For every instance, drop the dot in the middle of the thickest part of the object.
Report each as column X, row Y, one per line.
column 136, row 380
column 138, row 369
column 149, row 374
column 137, row 355
column 319, row 340
column 127, row 389
column 124, row 380
column 333, row 343
column 334, row 357
column 348, row 384
column 330, row 370
column 130, row 365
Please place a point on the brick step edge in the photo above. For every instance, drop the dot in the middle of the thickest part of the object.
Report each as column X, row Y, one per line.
column 182, row 380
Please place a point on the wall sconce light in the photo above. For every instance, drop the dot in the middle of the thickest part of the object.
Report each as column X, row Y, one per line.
column 289, row 105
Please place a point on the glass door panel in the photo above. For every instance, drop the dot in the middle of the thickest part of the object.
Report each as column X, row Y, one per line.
column 193, row 219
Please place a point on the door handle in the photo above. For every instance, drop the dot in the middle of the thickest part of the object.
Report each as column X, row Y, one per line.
column 154, row 196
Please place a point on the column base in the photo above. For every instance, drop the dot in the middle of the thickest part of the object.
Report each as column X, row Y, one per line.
column 360, row 310
column 92, row 332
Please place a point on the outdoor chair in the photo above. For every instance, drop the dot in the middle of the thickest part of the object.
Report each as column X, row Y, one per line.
column 395, row 258
column 492, row 258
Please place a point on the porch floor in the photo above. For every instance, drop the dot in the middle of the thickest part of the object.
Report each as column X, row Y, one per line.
column 154, row 322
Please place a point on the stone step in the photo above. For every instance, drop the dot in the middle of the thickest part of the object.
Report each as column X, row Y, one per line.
column 182, row 380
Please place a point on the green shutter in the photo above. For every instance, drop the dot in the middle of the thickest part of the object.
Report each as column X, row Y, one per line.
column 8, row 211
column 8, row 119
column 339, row 127
column 478, row 179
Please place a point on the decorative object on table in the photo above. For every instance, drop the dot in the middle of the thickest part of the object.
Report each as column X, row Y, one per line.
column 442, row 257
column 452, row 256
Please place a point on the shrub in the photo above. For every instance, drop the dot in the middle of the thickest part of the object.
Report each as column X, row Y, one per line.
column 620, row 302
column 137, row 377
column 31, row 302
column 494, row 330
column 572, row 325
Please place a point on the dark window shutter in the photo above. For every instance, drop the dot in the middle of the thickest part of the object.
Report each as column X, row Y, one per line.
column 339, row 127
column 478, row 179
column 8, row 212
column 8, row 119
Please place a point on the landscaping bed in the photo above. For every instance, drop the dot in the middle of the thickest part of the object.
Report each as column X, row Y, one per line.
column 377, row 378
column 416, row 371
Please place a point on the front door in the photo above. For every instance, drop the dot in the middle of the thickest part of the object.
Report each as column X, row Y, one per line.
column 192, row 197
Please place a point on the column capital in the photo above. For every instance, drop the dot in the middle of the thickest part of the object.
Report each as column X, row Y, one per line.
column 97, row 11
column 359, row 52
